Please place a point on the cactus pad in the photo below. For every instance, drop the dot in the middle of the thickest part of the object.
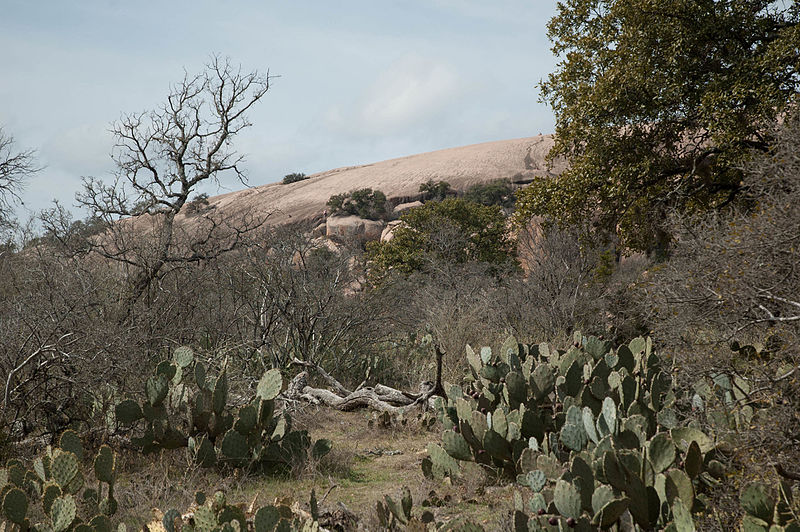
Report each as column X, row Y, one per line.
column 104, row 465
column 610, row 512
column 693, row 462
column 62, row 513
column 270, row 385
column 100, row 523
column 70, row 441
column 15, row 505
column 756, row 501
column 156, row 388
column 443, row 464
column 682, row 517
column 567, row 499
column 204, row 519
column 183, row 356
column 321, row 448
column 456, row 446
column 661, row 452
column 266, row 518
column 51, row 492
column 573, row 436
column 128, row 411
column 65, row 469
column 535, row 480
column 234, row 447
column 220, row 394
column 246, row 421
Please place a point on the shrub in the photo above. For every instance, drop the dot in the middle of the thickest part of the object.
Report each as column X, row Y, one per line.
column 294, row 178
column 453, row 230
column 198, row 204
column 494, row 193
column 364, row 202
column 435, row 190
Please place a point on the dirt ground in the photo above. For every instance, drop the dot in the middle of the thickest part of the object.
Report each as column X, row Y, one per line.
column 369, row 460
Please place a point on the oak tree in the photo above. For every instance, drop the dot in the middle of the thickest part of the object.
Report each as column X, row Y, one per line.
column 658, row 103
column 162, row 157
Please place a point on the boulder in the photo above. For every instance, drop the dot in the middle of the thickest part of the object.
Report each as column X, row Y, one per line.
column 348, row 227
column 388, row 231
column 399, row 209
column 319, row 230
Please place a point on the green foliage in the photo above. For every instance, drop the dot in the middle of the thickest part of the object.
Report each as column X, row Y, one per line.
column 183, row 408
column 435, row 190
column 587, row 430
column 198, row 204
column 658, row 104
column 453, row 230
column 493, row 193
column 293, row 178
column 365, row 202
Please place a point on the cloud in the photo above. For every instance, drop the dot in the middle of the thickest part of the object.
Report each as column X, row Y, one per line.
column 411, row 91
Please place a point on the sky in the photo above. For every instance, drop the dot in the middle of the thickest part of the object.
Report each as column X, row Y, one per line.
column 357, row 81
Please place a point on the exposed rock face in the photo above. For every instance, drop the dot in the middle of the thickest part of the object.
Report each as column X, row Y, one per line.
column 405, row 206
column 320, row 230
column 519, row 160
column 353, row 227
column 388, row 231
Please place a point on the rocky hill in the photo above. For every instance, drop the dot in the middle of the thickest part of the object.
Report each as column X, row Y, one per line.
column 519, row 160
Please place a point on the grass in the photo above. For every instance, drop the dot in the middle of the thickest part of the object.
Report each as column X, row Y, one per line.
column 367, row 462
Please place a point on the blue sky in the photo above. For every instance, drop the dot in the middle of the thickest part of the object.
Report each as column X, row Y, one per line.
column 360, row 81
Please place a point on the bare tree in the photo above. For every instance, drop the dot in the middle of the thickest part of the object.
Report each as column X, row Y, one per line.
column 162, row 156
column 310, row 303
column 15, row 168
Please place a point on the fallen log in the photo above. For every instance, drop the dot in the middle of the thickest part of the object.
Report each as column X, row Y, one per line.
column 379, row 397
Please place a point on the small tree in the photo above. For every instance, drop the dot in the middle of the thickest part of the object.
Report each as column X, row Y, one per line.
column 657, row 104
column 493, row 193
column 435, row 190
column 364, row 202
column 15, row 168
column 452, row 230
column 162, row 157
column 294, row 178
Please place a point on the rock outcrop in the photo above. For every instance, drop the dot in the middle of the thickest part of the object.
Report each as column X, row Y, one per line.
column 353, row 227
column 518, row 160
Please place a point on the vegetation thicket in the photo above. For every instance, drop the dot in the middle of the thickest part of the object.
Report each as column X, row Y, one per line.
column 453, row 230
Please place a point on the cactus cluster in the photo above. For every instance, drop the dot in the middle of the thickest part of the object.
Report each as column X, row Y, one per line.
column 183, row 407
column 764, row 513
column 592, row 431
column 400, row 516
column 58, row 485
column 216, row 514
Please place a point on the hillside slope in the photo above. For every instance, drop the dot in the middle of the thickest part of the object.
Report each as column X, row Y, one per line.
column 519, row 160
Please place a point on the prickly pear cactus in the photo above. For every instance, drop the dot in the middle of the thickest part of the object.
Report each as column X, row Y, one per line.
column 52, row 488
column 592, row 431
column 183, row 407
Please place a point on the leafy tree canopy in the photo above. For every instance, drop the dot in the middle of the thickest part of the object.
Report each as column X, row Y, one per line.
column 364, row 202
column 435, row 190
column 658, row 103
column 492, row 193
column 294, row 178
column 453, row 230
